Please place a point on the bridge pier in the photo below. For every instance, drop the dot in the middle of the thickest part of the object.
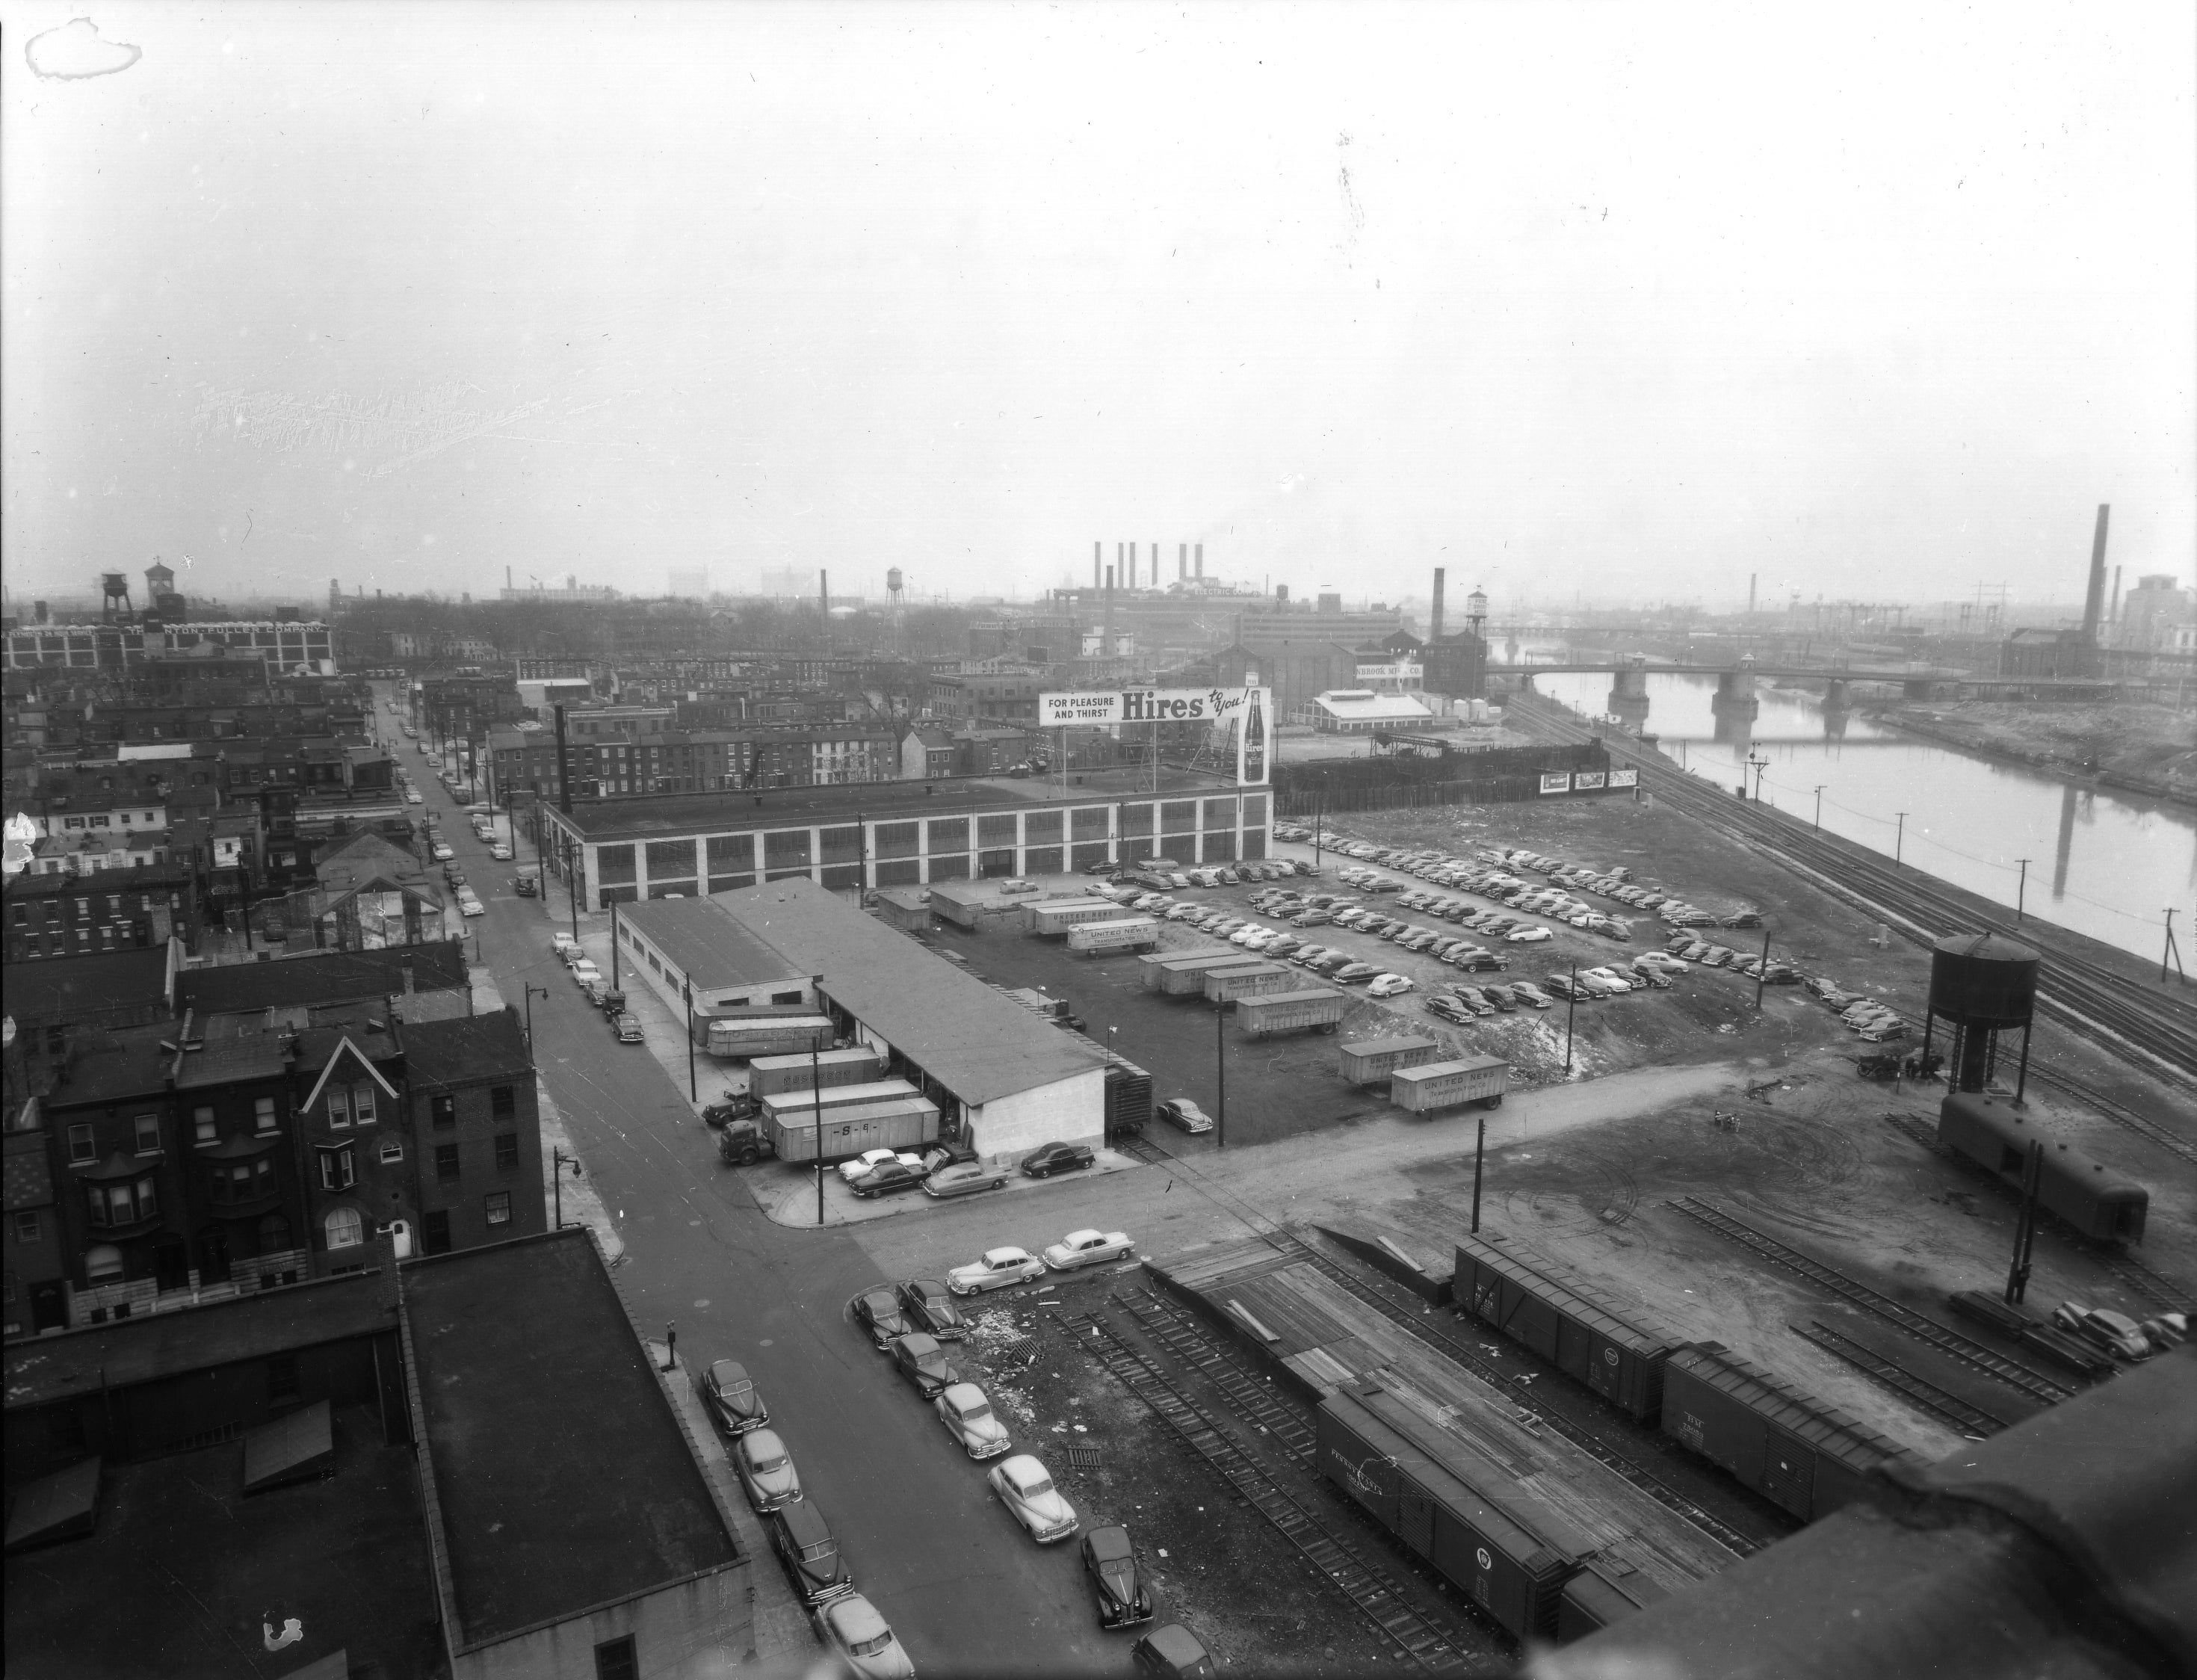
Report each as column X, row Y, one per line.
column 1735, row 706
column 1837, row 709
column 1628, row 693
column 1921, row 689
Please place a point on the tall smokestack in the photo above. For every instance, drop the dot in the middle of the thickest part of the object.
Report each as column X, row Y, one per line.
column 1097, row 548
column 1750, row 595
column 564, row 769
column 1182, row 559
column 824, row 600
column 1201, row 560
column 2114, row 616
column 1106, row 625
column 506, row 577
column 1433, row 620
column 2094, row 603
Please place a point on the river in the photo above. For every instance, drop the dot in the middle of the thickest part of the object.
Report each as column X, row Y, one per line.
column 2102, row 863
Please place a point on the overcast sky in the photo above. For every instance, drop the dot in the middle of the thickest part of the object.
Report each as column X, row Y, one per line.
column 1581, row 301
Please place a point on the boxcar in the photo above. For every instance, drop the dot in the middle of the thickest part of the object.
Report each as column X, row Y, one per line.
column 1619, row 1361
column 1602, row 1593
column 1995, row 1136
column 1512, row 1573
column 1806, row 1457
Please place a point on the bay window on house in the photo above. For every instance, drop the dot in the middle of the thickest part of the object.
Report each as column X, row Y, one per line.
column 110, row 1206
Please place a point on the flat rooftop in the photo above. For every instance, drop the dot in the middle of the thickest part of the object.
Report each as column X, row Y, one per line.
column 184, row 1570
column 564, row 1477
column 876, row 802
column 711, row 948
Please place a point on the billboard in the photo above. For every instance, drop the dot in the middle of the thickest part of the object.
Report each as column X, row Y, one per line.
column 1247, row 713
column 1586, row 781
column 1559, row 781
column 1625, row 779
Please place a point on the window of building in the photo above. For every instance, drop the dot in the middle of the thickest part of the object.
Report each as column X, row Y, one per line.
column 443, row 1109
column 263, row 1114
column 29, row 1226
column 502, row 1102
column 499, row 1207
column 785, row 997
column 363, row 1105
column 338, row 1109
column 506, row 1150
column 148, row 1133
column 435, row 1232
column 338, row 1168
column 82, row 1150
column 393, row 1152
column 102, row 1263
column 615, row 1660
column 109, row 1206
column 203, row 1128
column 344, row 1227
column 282, row 1377
column 273, row 1235
column 446, row 1161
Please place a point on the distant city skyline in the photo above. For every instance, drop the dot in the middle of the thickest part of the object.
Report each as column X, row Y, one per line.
column 1567, row 299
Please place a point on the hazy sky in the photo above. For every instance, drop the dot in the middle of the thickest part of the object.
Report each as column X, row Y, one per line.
column 1620, row 300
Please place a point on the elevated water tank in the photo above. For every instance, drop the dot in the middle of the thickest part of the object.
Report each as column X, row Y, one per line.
column 893, row 579
column 1983, row 980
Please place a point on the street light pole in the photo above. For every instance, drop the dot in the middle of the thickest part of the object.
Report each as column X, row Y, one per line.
column 1220, row 1077
column 1899, row 838
column 1479, row 1154
column 1571, row 1013
column 532, row 991
column 558, row 1161
column 687, row 993
column 1819, row 804
column 1761, row 973
column 572, row 884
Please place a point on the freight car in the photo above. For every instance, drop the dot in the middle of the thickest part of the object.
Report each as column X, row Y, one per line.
column 2096, row 1200
column 1603, row 1592
column 1806, row 1457
column 1619, row 1361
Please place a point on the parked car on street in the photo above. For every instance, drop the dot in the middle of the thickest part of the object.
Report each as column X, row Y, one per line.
column 969, row 1419
column 628, row 1027
column 888, row 1177
column 1087, row 1248
column 1047, row 1159
column 766, row 1471
column 966, row 1178
column 809, row 1552
column 930, row 1308
column 851, row 1626
column 920, row 1358
column 998, row 1268
column 1025, row 1488
column 869, row 1160
column 878, row 1312
column 1181, row 1111
column 731, row 1400
column 1109, row 1562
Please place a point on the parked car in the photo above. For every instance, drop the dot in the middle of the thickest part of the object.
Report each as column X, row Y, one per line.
column 1351, row 973
column 878, row 1312
column 888, row 1177
column 1089, row 1248
column 995, row 1271
column 2115, row 1332
column 930, row 1309
column 1047, row 1159
column 809, row 1552
column 501, row 854
column 524, row 885
column 1181, row 1111
column 1449, row 1009
column 969, row 1419
column 442, row 853
column 1388, row 986
column 851, row 1626
column 1528, row 934
column 584, row 971
column 965, row 1178
column 1025, row 1488
column 869, row 1160
column 766, row 1471
column 731, row 1400
column 923, row 1362
column 1109, row 1562
column 628, row 1027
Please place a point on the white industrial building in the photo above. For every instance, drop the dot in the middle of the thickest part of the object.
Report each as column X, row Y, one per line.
column 1360, row 711
column 1005, row 1080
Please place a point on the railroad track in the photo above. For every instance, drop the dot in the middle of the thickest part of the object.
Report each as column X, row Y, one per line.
column 1253, row 1400
column 1970, row 1420
column 1139, row 1149
column 1343, row 1557
column 2075, row 990
column 1456, row 1349
column 2120, row 1114
column 2167, row 1294
column 1928, row 1331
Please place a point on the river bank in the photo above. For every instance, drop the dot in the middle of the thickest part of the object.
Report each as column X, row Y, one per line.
column 2150, row 751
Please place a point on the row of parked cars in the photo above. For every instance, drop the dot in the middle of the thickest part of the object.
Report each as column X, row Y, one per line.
column 1869, row 1018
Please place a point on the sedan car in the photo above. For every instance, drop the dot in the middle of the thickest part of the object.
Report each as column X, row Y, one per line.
column 1388, row 986
column 869, row 1160
column 880, row 1314
column 766, row 1471
column 852, row 1627
column 1528, row 934
column 1449, row 1009
column 501, row 854
column 1351, row 973
column 888, row 1177
column 1047, row 1159
column 1026, row 1489
column 733, row 1404
column 966, row 1178
column 1181, row 1111
column 922, row 1360
column 1087, row 1248
column 969, row 1419
column 442, row 853
column 930, row 1309
column 1110, row 1562
column 999, row 1268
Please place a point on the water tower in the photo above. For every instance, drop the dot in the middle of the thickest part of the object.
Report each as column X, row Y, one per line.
column 1982, row 984
column 114, row 587
column 894, row 584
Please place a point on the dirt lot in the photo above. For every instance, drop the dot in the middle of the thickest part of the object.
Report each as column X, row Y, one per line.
column 2142, row 744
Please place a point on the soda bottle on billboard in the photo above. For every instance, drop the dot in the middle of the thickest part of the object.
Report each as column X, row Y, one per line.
column 1255, row 742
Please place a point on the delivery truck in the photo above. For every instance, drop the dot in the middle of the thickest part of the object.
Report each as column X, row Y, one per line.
column 1434, row 1086
column 1371, row 1061
column 1316, row 1008
column 858, row 1064
column 744, row 1037
column 1224, row 986
column 1154, row 969
column 909, row 1123
column 1099, row 938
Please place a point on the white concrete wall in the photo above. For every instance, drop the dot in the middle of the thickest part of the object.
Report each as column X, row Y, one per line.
column 1072, row 1111
column 697, row 1627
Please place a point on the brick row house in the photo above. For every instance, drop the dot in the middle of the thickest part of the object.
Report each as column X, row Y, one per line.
column 173, row 1163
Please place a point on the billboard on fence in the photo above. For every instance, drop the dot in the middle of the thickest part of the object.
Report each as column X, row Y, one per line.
column 1586, row 781
column 1557, row 782
column 1625, row 779
column 1247, row 713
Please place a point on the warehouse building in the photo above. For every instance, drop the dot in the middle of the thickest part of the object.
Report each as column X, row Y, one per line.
column 897, row 834
column 1005, row 1080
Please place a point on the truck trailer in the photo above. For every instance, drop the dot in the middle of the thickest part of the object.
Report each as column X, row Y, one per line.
column 1053, row 918
column 1224, row 986
column 1370, row 1061
column 858, row 1065
column 745, row 1038
column 1316, row 1008
column 1136, row 933
column 903, row 1123
column 1434, row 1086
column 798, row 1104
column 1153, row 970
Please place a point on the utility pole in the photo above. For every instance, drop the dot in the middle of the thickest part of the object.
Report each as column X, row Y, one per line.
column 2025, row 1224
column 572, row 884
column 532, row 992
column 2021, row 888
column 687, row 992
column 1899, row 838
column 1762, row 972
column 1571, row 1012
column 817, row 1119
column 1479, row 1156
column 1819, row 804
column 615, row 986
column 558, row 1161
column 2170, row 953
column 1221, row 1077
